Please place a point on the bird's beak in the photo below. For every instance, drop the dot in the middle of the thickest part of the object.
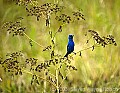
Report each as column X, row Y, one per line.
column 72, row 35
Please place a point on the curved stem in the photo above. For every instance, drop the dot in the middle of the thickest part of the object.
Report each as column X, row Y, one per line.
column 55, row 34
column 95, row 45
column 32, row 40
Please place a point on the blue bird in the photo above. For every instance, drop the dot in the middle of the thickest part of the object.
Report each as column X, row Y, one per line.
column 70, row 46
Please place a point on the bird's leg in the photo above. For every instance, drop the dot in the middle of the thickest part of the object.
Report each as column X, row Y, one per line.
column 74, row 53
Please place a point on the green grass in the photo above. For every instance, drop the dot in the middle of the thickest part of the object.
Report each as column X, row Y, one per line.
column 99, row 68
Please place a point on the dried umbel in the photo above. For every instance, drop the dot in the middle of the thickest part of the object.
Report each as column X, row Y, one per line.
column 78, row 15
column 46, row 64
column 12, row 63
column 15, row 27
column 32, row 62
column 70, row 67
column 64, row 18
column 103, row 41
column 26, row 2
column 109, row 39
column 43, row 10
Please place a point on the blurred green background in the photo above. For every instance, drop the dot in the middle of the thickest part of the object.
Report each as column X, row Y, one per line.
column 98, row 68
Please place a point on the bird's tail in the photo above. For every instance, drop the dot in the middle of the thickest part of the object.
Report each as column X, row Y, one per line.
column 66, row 55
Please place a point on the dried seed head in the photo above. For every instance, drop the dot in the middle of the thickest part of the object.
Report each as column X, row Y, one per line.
column 15, row 28
column 44, row 10
column 103, row 41
column 64, row 18
column 78, row 15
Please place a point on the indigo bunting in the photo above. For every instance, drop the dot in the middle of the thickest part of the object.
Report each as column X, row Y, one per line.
column 70, row 46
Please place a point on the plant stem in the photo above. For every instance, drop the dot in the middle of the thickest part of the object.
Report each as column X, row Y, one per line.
column 52, row 51
column 32, row 40
column 95, row 45
column 57, row 80
column 45, row 81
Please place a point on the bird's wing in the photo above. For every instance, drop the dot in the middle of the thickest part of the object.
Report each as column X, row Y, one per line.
column 67, row 47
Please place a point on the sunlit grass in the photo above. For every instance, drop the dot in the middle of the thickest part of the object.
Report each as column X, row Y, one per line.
column 98, row 68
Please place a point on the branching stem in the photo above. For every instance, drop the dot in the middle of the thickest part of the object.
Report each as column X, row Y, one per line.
column 33, row 40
